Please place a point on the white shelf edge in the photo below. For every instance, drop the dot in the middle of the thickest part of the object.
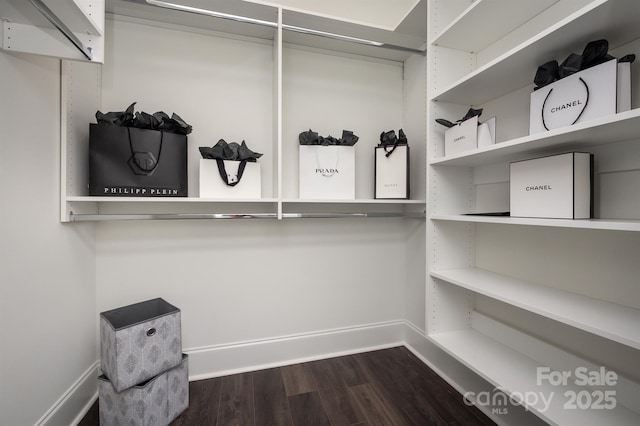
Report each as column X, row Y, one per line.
column 606, row 319
column 354, row 201
column 521, row 48
column 475, row 13
column 96, row 199
column 489, row 359
column 603, row 130
column 601, row 224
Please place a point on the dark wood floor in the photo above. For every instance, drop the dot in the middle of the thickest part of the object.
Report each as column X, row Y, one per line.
column 387, row 388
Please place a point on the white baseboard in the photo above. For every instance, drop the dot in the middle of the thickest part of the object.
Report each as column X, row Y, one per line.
column 75, row 402
column 222, row 360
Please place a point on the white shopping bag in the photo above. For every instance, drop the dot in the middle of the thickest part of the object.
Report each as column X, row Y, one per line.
column 392, row 172
column 212, row 185
column 327, row 172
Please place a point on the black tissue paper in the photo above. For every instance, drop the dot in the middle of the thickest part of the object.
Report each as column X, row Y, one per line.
column 142, row 120
column 229, row 151
column 312, row 138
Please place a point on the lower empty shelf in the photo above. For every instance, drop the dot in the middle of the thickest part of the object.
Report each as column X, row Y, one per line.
column 516, row 376
column 609, row 320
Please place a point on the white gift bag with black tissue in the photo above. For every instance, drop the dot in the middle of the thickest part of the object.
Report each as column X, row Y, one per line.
column 327, row 172
column 392, row 172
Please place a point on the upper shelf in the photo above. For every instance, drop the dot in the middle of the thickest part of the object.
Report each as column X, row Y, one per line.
column 81, row 16
column 71, row 29
column 87, row 208
column 139, row 9
column 409, row 38
column 469, row 31
column 615, row 21
column 298, row 28
column 610, row 129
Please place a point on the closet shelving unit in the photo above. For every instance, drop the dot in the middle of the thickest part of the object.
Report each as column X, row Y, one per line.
column 478, row 56
column 279, row 164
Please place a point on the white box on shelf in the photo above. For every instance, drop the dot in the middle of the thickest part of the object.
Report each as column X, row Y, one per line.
column 212, row 185
column 557, row 186
column 487, row 133
column 624, row 87
column 469, row 135
column 327, row 172
column 391, row 172
column 595, row 92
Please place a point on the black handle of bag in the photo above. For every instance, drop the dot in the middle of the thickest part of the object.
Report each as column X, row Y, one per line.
column 388, row 153
column 144, row 162
column 225, row 176
column 586, row 86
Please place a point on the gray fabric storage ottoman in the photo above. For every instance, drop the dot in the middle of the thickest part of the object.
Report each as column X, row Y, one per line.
column 139, row 341
column 156, row 402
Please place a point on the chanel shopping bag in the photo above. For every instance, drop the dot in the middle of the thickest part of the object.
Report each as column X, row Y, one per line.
column 581, row 88
column 133, row 162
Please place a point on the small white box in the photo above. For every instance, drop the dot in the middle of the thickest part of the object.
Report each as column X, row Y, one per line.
column 487, row 133
column 624, row 87
column 392, row 172
column 212, row 185
column 327, row 172
column 469, row 135
column 585, row 95
column 557, row 186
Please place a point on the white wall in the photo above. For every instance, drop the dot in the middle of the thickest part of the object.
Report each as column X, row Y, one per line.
column 239, row 281
column 47, row 269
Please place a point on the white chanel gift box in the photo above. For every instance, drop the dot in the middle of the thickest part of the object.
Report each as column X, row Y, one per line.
column 557, row 186
column 595, row 92
column 392, row 172
column 242, row 182
column 327, row 172
column 469, row 135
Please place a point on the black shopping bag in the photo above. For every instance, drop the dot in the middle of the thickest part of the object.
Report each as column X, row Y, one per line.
column 133, row 162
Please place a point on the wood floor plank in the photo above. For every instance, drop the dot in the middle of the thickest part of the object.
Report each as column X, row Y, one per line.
column 307, row 410
column 297, row 379
column 270, row 399
column 236, row 400
column 92, row 417
column 350, row 370
column 397, row 383
column 449, row 404
column 340, row 406
column 204, row 400
column 375, row 408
